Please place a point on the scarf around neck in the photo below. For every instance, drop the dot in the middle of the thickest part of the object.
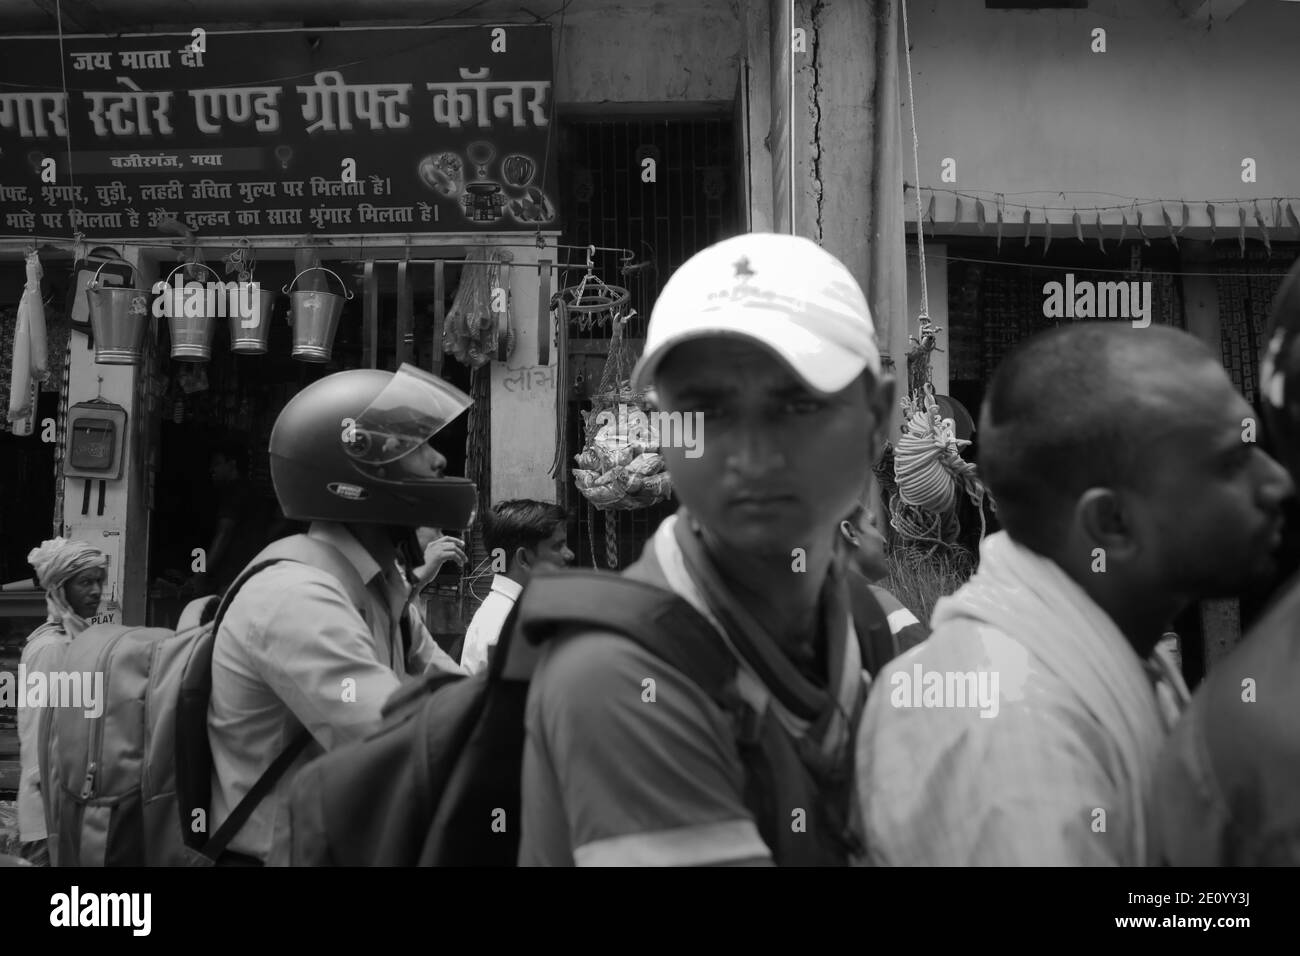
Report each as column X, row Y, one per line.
column 1034, row 602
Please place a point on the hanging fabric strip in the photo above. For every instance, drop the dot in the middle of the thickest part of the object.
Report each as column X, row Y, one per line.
column 1263, row 229
column 1209, row 211
column 1078, row 226
column 1047, row 224
column 1241, row 228
column 979, row 215
column 1169, row 224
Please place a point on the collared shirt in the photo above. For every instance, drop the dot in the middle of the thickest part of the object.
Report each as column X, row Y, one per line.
column 42, row 652
column 293, row 651
column 485, row 627
column 610, row 778
column 1033, row 783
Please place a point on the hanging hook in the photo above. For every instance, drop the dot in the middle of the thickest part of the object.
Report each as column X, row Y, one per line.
column 591, row 254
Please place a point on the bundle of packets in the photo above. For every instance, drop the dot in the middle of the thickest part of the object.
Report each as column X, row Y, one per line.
column 622, row 470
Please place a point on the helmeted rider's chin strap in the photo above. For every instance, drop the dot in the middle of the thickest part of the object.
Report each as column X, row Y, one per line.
column 408, row 547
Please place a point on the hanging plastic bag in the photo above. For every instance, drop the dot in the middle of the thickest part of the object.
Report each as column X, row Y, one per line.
column 30, row 362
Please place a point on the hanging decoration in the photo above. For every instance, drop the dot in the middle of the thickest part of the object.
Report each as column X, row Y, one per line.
column 1169, row 225
column 619, row 467
column 30, row 362
column 470, row 333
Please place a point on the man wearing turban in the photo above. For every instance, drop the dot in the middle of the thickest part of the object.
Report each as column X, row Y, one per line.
column 72, row 574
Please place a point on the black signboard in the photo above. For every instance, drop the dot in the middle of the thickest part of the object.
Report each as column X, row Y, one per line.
column 278, row 132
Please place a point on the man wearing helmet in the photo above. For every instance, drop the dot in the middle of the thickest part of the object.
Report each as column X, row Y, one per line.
column 350, row 454
column 1227, row 788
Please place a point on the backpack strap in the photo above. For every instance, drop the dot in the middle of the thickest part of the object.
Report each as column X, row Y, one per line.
column 658, row 620
column 308, row 551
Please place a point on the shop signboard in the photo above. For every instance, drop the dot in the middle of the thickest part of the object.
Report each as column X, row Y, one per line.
column 278, row 132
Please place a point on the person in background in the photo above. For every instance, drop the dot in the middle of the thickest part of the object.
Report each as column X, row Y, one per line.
column 73, row 575
column 527, row 536
column 242, row 520
column 1026, row 730
column 294, row 653
column 1228, row 781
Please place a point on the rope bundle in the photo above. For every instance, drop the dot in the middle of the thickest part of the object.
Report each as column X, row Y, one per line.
column 928, row 472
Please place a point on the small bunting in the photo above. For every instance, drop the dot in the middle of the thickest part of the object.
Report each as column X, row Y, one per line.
column 999, row 243
column 1078, row 226
column 1290, row 214
column 1101, row 241
column 1169, row 224
column 979, row 215
column 1026, row 228
column 1187, row 214
column 1241, row 228
column 956, row 216
column 1263, row 229
column 1141, row 231
column 929, row 213
column 1047, row 224
column 1209, row 211
column 1123, row 228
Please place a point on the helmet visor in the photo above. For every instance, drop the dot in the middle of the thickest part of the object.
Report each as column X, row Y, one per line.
column 411, row 409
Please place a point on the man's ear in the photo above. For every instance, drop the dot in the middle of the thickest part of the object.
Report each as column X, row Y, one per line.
column 1106, row 519
column 523, row 559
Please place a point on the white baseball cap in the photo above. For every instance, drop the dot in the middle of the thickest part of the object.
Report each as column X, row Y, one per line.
column 783, row 292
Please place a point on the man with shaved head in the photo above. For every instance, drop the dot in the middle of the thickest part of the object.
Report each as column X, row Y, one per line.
column 1129, row 487
column 1228, row 782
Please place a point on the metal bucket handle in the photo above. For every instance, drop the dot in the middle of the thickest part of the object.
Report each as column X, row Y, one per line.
column 186, row 265
column 94, row 282
column 347, row 292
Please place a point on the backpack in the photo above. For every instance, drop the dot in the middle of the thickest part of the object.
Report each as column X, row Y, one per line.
column 132, row 786
column 447, row 758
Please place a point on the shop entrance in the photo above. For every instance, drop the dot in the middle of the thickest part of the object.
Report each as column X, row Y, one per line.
column 223, row 410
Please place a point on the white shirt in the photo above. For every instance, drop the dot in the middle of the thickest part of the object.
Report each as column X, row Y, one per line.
column 485, row 627
column 294, row 652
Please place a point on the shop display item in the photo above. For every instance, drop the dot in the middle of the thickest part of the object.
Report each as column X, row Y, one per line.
column 119, row 320
column 315, row 318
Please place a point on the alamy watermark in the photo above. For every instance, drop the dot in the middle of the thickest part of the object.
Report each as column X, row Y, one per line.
column 1098, row 300
column 944, row 689
column 657, row 428
column 235, row 300
column 37, row 689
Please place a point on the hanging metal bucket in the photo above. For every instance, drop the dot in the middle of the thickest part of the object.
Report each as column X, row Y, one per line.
column 315, row 318
column 119, row 319
column 191, row 334
column 247, row 338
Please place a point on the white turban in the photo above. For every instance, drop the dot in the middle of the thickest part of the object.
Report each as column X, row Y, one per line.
column 56, row 562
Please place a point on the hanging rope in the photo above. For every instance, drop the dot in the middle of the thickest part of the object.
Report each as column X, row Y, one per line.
column 916, row 168
column 611, row 539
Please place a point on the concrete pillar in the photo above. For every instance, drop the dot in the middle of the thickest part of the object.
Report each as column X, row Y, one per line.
column 848, row 156
column 524, row 394
column 122, row 531
column 755, row 77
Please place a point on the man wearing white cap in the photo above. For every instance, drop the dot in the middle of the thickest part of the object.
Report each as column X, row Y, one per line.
column 769, row 339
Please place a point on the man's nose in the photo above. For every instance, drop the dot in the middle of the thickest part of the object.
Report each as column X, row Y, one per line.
column 438, row 463
column 753, row 450
column 1278, row 484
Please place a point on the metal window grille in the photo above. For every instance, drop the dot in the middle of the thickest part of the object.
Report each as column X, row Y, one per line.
column 690, row 204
